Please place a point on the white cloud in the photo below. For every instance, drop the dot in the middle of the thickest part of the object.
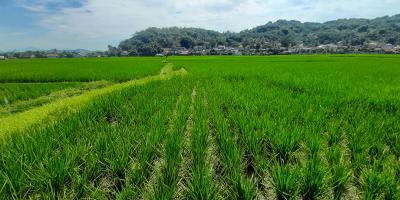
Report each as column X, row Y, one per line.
column 43, row 5
column 100, row 22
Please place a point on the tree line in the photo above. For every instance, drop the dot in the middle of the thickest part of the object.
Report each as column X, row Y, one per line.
column 279, row 34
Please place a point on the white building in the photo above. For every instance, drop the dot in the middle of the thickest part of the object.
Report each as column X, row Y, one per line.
column 2, row 58
column 388, row 47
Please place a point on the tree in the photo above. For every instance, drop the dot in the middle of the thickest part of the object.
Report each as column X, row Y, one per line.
column 289, row 33
column 186, row 42
column 113, row 51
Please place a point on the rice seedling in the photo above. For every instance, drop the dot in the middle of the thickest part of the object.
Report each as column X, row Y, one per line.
column 28, row 102
column 284, row 144
column 166, row 183
column 286, row 180
column 340, row 173
column 373, row 182
column 63, row 70
column 200, row 184
column 313, row 182
column 14, row 92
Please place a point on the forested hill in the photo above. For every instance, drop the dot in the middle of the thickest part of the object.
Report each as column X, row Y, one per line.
column 282, row 34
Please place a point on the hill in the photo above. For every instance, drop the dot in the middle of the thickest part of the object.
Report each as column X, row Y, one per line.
column 278, row 36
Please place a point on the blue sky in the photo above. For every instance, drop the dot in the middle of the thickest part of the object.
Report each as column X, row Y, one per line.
column 93, row 24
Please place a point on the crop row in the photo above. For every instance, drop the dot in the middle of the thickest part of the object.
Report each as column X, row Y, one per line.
column 104, row 151
column 18, row 97
column 234, row 128
column 63, row 70
column 13, row 92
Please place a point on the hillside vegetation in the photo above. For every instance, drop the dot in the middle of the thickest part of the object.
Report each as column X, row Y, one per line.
column 282, row 33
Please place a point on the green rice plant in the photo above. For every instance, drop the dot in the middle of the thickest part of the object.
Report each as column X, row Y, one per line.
column 51, row 112
column 252, row 141
column 200, row 184
column 391, row 136
column 373, row 182
column 340, row 173
column 358, row 160
column 313, row 183
column 166, row 182
column 62, row 70
column 245, row 189
column 284, row 144
column 23, row 104
column 136, row 177
column 313, row 146
column 391, row 188
column 77, row 157
column 285, row 180
column 240, row 187
column 14, row 92
column 334, row 134
column 115, row 143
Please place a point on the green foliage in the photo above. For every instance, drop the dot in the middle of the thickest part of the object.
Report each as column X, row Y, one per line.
column 284, row 127
column 151, row 40
column 286, row 181
column 13, row 92
column 340, row 173
column 86, row 69
column 289, row 33
column 313, row 179
column 23, row 96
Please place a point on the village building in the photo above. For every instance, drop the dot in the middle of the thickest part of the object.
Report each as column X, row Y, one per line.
column 184, row 52
column 199, row 48
column 397, row 49
column 221, row 47
column 27, row 55
column 2, row 57
column 166, row 51
column 388, row 47
column 124, row 53
column 52, row 55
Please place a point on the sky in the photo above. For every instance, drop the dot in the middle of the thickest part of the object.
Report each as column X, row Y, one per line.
column 94, row 24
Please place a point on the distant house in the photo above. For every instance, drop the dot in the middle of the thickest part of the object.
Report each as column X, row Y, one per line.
column 27, row 55
column 328, row 46
column 124, row 53
column 2, row 57
column 184, row 52
column 83, row 53
column 199, row 48
column 221, row 47
column 373, row 45
column 52, row 55
column 179, row 51
column 388, row 47
column 166, row 51
column 397, row 49
column 236, row 52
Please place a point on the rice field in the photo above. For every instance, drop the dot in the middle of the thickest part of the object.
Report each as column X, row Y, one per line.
column 277, row 127
column 79, row 70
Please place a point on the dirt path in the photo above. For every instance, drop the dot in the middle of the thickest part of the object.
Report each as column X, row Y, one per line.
column 57, row 110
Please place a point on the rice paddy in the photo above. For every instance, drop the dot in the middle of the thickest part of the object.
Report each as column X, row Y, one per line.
column 277, row 127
